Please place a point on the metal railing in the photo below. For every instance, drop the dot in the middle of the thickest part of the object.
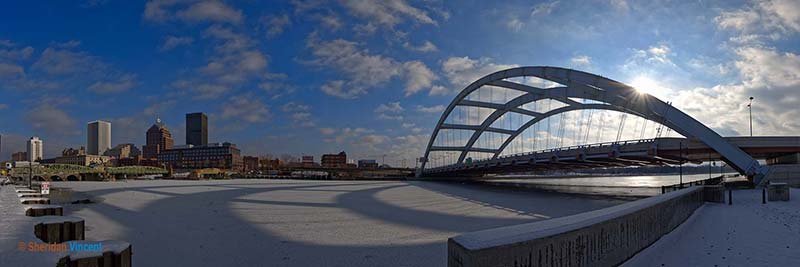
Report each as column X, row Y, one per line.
column 710, row 181
column 547, row 151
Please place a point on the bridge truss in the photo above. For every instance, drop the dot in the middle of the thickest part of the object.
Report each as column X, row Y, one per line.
column 555, row 92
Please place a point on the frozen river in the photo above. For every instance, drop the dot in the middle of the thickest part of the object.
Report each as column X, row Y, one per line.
column 304, row 223
column 638, row 186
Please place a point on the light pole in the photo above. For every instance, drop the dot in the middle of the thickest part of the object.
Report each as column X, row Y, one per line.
column 750, row 109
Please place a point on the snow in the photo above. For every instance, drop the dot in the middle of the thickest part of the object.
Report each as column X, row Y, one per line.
column 747, row 233
column 15, row 227
column 304, row 223
column 522, row 232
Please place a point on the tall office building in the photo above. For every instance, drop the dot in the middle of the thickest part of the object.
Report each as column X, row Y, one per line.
column 98, row 137
column 158, row 139
column 35, row 149
column 196, row 129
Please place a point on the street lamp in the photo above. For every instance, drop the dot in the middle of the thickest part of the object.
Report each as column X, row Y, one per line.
column 750, row 109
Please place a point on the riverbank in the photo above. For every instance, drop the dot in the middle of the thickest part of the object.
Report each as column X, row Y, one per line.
column 306, row 223
column 747, row 233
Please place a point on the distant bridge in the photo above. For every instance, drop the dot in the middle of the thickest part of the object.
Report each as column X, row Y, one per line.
column 491, row 133
column 66, row 172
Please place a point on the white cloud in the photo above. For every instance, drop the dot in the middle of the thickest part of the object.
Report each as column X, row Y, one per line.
column 174, row 41
column 772, row 77
column 192, row 11
column 275, row 25
column 294, row 107
column 514, row 24
column 544, row 9
column 11, row 71
column 438, row 90
column 337, row 89
column 768, row 68
column 431, row 109
column 16, row 54
column 425, row 47
column 620, row 5
column 245, row 108
column 299, row 113
column 61, row 62
column 327, row 131
column 363, row 69
column 331, row 21
column 393, row 107
column 461, row 71
column 389, row 111
column 581, row 60
column 213, row 11
column 386, row 13
column 763, row 20
column 122, row 84
column 419, row 77
column 51, row 120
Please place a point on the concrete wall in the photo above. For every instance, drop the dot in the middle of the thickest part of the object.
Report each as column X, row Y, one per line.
column 605, row 237
column 785, row 173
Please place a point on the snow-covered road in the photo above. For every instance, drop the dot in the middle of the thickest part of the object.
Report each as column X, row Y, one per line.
column 747, row 233
column 304, row 223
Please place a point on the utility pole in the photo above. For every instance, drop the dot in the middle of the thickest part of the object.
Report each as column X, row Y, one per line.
column 30, row 174
column 750, row 108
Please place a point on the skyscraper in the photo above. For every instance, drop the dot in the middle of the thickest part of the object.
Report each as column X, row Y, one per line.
column 196, row 129
column 98, row 137
column 35, row 149
column 158, row 140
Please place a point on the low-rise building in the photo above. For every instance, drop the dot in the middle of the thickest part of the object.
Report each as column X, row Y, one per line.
column 19, row 156
column 250, row 163
column 73, row 151
column 221, row 156
column 334, row 160
column 82, row 160
column 123, row 151
column 367, row 164
column 138, row 160
column 270, row 164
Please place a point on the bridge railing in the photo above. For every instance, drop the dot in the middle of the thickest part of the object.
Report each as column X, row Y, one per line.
column 549, row 151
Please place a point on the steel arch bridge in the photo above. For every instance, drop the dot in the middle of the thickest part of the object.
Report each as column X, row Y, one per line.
column 602, row 94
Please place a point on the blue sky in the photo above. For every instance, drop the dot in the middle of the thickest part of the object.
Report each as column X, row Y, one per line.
column 370, row 77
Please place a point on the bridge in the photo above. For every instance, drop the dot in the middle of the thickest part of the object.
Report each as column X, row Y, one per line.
column 66, row 172
column 545, row 118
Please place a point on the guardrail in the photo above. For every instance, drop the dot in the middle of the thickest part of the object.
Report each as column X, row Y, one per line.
column 545, row 151
column 710, row 181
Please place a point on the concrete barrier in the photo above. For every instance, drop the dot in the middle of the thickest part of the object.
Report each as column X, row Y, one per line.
column 37, row 210
column 114, row 254
column 714, row 193
column 778, row 192
column 59, row 229
column 34, row 200
column 605, row 237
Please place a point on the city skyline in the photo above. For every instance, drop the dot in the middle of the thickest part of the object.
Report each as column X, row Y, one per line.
column 310, row 79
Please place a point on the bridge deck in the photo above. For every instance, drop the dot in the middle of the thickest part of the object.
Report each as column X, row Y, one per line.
column 661, row 151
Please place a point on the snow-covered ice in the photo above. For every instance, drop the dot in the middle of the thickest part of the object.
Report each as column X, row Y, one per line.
column 304, row 223
column 747, row 233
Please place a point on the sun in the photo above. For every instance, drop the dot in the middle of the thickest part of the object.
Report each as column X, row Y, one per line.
column 645, row 85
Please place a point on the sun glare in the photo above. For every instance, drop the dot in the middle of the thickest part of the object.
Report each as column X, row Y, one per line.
column 645, row 85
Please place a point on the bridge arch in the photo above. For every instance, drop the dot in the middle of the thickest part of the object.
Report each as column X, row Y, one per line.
column 55, row 178
column 72, row 178
column 609, row 95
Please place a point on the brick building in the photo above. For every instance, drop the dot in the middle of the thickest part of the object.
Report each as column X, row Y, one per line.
column 334, row 160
